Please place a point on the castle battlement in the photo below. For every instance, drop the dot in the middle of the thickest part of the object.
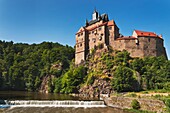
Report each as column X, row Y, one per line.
column 101, row 30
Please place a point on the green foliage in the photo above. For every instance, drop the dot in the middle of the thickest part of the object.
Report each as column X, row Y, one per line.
column 58, row 85
column 122, row 58
column 22, row 66
column 135, row 104
column 123, row 79
column 167, row 103
column 72, row 79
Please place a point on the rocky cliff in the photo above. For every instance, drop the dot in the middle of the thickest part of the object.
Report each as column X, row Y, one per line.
column 98, row 80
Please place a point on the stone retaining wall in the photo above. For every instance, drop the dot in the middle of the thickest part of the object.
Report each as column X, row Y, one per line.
column 146, row 104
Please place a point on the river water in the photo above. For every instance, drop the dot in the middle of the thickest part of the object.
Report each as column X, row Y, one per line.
column 32, row 102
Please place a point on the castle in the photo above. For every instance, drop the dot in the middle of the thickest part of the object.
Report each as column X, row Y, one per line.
column 102, row 31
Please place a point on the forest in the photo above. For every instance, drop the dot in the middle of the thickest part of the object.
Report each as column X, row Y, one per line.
column 22, row 66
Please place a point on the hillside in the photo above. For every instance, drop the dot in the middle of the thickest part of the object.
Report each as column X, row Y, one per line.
column 22, row 66
column 110, row 71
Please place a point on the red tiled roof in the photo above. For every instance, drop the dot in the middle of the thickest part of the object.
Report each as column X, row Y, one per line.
column 90, row 29
column 109, row 23
column 127, row 38
column 144, row 33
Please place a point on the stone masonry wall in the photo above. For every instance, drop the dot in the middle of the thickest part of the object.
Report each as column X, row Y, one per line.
column 146, row 104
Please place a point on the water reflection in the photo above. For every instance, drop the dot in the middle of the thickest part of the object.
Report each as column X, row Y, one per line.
column 64, row 110
column 23, row 95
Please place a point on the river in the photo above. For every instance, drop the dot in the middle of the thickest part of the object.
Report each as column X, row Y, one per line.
column 34, row 102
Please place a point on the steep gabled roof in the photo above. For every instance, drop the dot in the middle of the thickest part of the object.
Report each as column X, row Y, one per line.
column 145, row 34
column 80, row 30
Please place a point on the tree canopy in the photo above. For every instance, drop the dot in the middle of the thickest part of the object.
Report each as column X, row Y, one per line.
column 22, row 66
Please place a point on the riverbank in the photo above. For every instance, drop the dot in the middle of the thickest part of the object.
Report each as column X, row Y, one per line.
column 146, row 104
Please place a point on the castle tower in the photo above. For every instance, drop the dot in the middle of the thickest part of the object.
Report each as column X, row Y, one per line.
column 98, row 31
column 80, row 46
column 95, row 15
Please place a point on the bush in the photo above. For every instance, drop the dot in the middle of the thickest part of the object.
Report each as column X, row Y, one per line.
column 135, row 104
column 167, row 103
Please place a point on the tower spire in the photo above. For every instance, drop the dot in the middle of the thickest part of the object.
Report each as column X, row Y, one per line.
column 95, row 10
column 87, row 23
column 95, row 14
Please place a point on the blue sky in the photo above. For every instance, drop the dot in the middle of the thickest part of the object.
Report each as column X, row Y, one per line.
column 35, row 21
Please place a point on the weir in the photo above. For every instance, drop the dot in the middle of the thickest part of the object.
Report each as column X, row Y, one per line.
column 54, row 103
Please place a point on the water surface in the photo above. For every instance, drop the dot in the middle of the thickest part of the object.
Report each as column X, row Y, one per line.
column 23, row 95
column 64, row 110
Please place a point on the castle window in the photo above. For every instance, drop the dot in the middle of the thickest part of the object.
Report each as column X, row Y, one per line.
column 77, row 46
column 100, row 38
column 100, row 28
column 78, row 35
column 81, row 33
column 80, row 44
column 92, row 32
column 94, row 40
column 110, row 28
column 149, row 39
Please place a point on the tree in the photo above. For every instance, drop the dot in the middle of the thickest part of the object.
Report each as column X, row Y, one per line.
column 122, row 58
column 72, row 79
column 124, row 79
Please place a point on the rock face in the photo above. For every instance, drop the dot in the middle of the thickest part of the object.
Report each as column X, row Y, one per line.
column 97, row 68
column 98, row 88
column 44, row 85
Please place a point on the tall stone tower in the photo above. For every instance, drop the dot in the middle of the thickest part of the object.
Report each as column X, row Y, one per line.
column 98, row 31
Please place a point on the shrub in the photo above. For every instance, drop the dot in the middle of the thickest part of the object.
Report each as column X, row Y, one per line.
column 135, row 104
column 167, row 103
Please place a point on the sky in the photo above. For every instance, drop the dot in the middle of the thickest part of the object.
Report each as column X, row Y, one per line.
column 35, row 21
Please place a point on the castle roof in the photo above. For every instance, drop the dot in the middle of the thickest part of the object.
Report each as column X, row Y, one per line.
column 90, row 28
column 146, row 34
column 103, row 17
